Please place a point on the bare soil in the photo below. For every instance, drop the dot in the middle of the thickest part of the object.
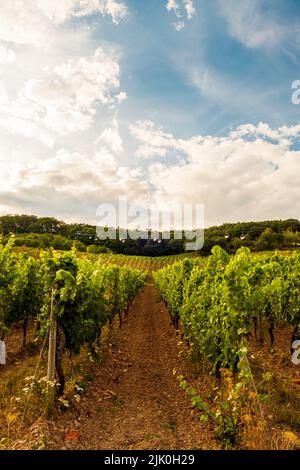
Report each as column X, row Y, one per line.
column 135, row 401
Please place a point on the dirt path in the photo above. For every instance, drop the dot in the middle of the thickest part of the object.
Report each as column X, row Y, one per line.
column 135, row 401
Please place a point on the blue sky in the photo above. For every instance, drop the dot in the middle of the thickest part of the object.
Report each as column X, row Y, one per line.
column 164, row 101
column 158, row 63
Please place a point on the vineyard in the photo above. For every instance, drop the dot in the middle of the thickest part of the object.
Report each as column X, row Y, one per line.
column 83, row 296
column 207, row 356
column 86, row 294
column 144, row 263
column 222, row 303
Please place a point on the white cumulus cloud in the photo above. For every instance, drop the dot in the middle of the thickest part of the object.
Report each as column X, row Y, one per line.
column 183, row 10
column 31, row 22
column 154, row 141
column 250, row 174
column 69, row 185
column 61, row 11
column 7, row 55
column 67, row 101
column 111, row 138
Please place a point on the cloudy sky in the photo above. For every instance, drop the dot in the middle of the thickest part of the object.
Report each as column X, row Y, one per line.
column 162, row 101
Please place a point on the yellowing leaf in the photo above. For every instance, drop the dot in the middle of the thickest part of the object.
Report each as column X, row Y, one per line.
column 11, row 417
column 290, row 436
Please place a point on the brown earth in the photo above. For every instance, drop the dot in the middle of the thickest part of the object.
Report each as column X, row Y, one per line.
column 16, row 352
column 135, row 401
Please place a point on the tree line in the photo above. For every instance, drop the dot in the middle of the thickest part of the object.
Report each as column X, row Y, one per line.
column 43, row 232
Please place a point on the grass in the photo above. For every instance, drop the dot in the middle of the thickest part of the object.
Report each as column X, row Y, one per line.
column 14, row 401
column 117, row 404
column 283, row 402
column 170, row 425
column 18, row 411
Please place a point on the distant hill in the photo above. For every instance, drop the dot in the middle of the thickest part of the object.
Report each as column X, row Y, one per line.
column 43, row 232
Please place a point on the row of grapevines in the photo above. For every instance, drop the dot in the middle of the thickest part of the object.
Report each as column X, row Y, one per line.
column 221, row 301
column 20, row 288
column 85, row 295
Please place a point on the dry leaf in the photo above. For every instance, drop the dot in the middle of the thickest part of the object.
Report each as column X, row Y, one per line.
column 72, row 435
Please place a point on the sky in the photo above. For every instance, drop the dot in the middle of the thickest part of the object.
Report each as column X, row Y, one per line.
column 164, row 102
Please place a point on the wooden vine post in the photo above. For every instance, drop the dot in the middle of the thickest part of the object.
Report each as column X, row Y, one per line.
column 51, row 359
